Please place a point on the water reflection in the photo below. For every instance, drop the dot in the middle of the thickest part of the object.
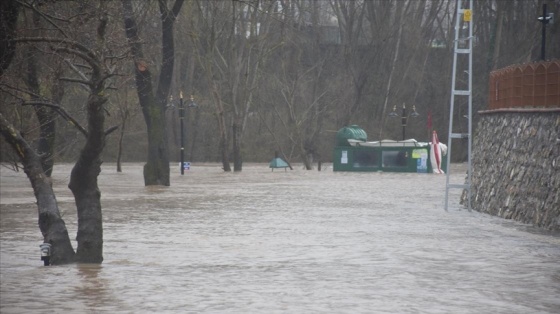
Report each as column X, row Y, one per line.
column 91, row 288
column 280, row 242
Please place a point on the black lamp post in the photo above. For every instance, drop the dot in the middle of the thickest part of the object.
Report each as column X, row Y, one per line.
column 182, row 118
column 544, row 19
column 404, row 117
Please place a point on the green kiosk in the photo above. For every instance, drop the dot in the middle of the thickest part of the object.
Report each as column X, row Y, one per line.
column 354, row 153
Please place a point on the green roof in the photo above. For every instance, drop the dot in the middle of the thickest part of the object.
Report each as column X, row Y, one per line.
column 278, row 163
column 353, row 132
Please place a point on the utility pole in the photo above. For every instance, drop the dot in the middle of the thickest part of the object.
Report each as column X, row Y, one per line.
column 544, row 19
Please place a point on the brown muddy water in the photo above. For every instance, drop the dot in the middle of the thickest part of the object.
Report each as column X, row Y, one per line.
column 278, row 242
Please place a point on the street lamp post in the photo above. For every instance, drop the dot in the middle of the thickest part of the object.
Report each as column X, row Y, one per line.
column 544, row 19
column 404, row 117
column 182, row 118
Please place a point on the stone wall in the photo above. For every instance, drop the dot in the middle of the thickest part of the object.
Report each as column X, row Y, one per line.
column 516, row 166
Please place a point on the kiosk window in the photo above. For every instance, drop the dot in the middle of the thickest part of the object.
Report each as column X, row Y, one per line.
column 363, row 158
column 394, row 158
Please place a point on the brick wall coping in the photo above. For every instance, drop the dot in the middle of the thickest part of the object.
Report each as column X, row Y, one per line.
column 519, row 110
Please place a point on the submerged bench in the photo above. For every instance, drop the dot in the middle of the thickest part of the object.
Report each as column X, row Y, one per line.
column 278, row 163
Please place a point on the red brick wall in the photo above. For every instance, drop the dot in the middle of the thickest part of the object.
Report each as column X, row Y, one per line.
column 532, row 85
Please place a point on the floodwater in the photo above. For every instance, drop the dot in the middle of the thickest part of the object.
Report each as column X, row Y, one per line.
column 278, row 242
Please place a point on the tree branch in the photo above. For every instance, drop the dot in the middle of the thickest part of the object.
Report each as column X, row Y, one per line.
column 46, row 17
column 76, row 48
column 75, row 68
column 93, row 62
column 111, row 130
column 176, row 8
column 61, row 112
column 30, row 93
column 73, row 80
column 14, row 138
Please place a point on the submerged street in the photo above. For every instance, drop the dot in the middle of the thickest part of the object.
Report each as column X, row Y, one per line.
column 278, row 242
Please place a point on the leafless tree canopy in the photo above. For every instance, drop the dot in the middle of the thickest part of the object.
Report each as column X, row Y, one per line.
column 267, row 75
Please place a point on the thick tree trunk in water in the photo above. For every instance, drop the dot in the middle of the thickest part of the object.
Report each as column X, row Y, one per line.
column 51, row 224
column 223, row 142
column 88, row 204
column 83, row 184
column 307, row 158
column 156, row 169
column 237, row 158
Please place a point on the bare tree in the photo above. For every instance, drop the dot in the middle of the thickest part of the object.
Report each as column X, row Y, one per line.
column 154, row 101
column 83, row 179
column 237, row 41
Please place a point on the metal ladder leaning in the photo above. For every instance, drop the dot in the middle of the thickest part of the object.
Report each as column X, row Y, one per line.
column 462, row 48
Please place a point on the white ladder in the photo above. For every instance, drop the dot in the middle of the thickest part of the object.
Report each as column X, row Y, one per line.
column 462, row 48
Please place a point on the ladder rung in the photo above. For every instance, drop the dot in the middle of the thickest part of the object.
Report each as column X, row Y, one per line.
column 462, row 51
column 462, row 92
column 464, row 38
column 459, row 135
column 458, row 186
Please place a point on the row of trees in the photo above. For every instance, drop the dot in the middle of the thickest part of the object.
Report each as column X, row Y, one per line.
column 268, row 75
column 282, row 76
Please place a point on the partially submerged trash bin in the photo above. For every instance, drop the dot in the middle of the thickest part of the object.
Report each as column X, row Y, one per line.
column 354, row 153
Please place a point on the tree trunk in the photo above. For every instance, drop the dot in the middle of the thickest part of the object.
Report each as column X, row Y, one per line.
column 497, row 38
column 307, row 159
column 83, row 184
column 83, row 179
column 45, row 115
column 121, row 136
column 236, row 138
column 156, row 169
column 222, row 128
column 51, row 224
column 194, row 132
column 9, row 11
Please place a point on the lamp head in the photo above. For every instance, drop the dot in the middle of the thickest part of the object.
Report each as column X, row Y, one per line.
column 192, row 103
column 414, row 114
column 394, row 114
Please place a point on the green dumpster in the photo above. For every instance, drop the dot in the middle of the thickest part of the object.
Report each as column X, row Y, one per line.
column 354, row 153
